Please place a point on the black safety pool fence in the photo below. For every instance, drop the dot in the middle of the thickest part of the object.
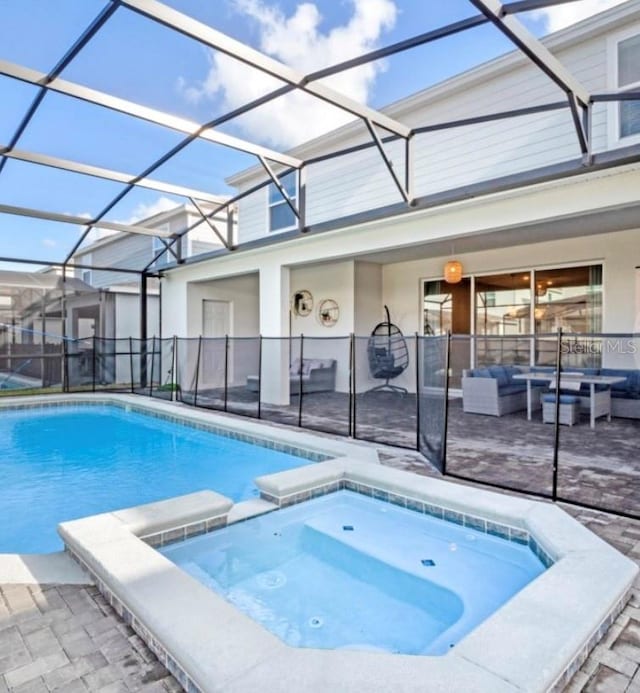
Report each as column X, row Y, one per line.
column 508, row 422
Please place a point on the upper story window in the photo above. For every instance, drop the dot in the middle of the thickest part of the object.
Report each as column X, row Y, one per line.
column 627, row 78
column 281, row 216
column 86, row 276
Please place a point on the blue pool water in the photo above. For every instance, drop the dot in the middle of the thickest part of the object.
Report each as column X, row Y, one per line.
column 61, row 463
column 347, row 571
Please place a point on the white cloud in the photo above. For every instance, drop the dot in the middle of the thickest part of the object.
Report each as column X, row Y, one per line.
column 139, row 212
column 49, row 242
column 562, row 16
column 144, row 211
column 298, row 41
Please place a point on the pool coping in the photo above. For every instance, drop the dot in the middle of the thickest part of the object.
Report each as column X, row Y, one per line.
column 535, row 642
column 51, row 568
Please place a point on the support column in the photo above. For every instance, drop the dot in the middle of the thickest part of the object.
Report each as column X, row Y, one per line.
column 274, row 322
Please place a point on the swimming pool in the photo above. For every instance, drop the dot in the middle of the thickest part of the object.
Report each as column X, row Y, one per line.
column 11, row 381
column 67, row 461
column 350, row 572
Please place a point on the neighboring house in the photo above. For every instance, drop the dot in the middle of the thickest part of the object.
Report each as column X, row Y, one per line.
column 114, row 312
column 544, row 242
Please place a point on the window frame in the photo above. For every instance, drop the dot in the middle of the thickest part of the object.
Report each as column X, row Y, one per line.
column 531, row 270
column 615, row 139
column 294, row 198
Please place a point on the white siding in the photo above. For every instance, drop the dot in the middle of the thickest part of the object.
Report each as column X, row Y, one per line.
column 452, row 158
column 252, row 217
column 128, row 252
column 353, row 183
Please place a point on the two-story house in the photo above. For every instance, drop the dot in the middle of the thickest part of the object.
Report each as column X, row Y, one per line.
column 114, row 311
column 541, row 228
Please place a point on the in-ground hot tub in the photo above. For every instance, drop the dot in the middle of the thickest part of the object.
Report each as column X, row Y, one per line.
column 349, row 571
column 535, row 641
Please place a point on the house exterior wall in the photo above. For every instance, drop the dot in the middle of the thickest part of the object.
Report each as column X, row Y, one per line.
column 452, row 158
column 127, row 252
column 514, row 210
column 135, row 251
column 127, row 310
column 619, row 253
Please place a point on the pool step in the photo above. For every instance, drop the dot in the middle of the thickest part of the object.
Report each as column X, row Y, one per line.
column 346, row 555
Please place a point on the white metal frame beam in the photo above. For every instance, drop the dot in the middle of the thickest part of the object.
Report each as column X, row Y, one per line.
column 82, row 221
column 278, row 184
column 108, row 174
column 578, row 96
column 192, row 28
column 130, row 108
column 227, row 241
column 532, row 48
column 403, row 189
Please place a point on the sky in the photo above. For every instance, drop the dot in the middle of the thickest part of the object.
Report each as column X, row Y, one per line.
column 141, row 61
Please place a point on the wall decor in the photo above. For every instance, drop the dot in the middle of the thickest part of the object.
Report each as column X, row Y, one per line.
column 328, row 312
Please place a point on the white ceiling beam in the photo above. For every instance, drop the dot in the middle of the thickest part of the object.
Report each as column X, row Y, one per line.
column 532, row 48
column 82, row 221
column 225, row 44
column 108, row 174
column 151, row 115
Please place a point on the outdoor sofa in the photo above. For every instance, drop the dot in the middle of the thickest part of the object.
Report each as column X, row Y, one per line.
column 492, row 390
column 318, row 375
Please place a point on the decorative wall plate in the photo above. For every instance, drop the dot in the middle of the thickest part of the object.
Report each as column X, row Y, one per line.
column 328, row 312
column 302, row 303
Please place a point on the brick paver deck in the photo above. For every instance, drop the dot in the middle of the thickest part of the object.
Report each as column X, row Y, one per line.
column 68, row 639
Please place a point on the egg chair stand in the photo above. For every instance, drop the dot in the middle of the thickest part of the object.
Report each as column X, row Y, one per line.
column 388, row 355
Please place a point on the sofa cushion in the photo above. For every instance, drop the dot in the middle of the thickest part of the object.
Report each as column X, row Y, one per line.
column 564, row 399
column 511, row 371
column 480, row 373
column 582, row 371
column 625, row 394
column 500, row 374
column 294, row 368
column 630, row 387
column 319, row 363
column 513, row 389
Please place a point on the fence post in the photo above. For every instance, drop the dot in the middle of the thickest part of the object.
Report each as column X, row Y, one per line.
column 260, row 377
column 153, row 358
column 226, row 370
column 93, row 364
column 556, row 430
column 354, row 364
column 445, row 427
column 133, row 389
column 417, row 391
column 195, row 392
column 300, row 382
column 174, row 361
column 65, row 387
column 351, row 385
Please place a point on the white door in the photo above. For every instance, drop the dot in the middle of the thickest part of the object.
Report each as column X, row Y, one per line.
column 216, row 318
column 216, row 324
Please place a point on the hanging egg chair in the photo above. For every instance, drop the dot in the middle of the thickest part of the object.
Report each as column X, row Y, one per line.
column 388, row 355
